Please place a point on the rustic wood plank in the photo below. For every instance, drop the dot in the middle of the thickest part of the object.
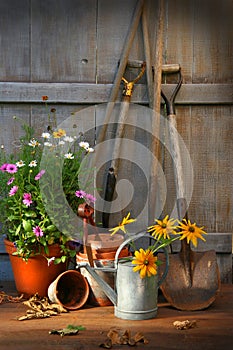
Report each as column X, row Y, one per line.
column 113, row 25
column 178, row 36
column 10, row 129
column 15, row 40
column 214, row 328
column 212, row 42
column 212, row 167
column 63, row 41
column 99, row 93
column 220, row 242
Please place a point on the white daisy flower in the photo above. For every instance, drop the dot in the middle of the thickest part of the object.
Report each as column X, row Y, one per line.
column 20, row 163
column 33, row 163
column 90, row 150
column 61, row 142
column 33, row 143
column 69, row 156
column 68, row 139
column 84, row 145
column 48, row 144
column 46, row 135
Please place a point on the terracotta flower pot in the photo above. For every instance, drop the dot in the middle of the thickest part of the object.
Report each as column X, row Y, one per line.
column 34, row 276
column 97, row 297
column 105, row 242
column 70, row 289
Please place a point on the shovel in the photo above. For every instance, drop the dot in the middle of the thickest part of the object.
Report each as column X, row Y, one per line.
column 193, row 280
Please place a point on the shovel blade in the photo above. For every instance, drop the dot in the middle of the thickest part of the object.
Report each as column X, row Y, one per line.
column 197, row 292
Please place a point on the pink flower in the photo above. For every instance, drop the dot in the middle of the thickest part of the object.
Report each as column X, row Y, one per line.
column 38, row 232
column 80, row 194
column 90, row 198
column 3, row 167
column 27, row 199
column 13, row 190
column 39, row 175
column 9, row 182
column 11, row 168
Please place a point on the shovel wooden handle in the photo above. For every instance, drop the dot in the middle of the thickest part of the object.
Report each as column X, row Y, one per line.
column 170, row 68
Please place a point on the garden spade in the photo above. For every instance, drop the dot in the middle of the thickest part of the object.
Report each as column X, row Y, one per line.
column 193, row 279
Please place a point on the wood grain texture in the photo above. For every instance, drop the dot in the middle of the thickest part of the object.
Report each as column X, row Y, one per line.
column 212, row 42
column 15, row 40
column 198, row 94
column 69, row 50
column 63, row 41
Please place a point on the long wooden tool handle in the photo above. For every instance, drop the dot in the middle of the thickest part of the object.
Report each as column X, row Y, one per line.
column 170, row 68
column 154, row 90
column 176, row 157
column 121, row 68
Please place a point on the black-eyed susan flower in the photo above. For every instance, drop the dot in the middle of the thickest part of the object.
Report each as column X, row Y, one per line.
column 163, row 228
column 59, row 133
column 145, row 263
column 126, row 220
column 191, row 231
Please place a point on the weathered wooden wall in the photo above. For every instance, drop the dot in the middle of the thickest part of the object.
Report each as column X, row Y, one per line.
column 70, row 51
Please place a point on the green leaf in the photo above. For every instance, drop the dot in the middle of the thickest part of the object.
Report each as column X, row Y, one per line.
column 51, row 228
column 30, row 214
column 27, row 225
column 63, row 258
column 80, row 328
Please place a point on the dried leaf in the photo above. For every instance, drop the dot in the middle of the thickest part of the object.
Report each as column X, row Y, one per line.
column 123, row 337
column 32, row 315
column 114, row 336
column 140, row 338
column 6, row 297
column 181, row 325
column 41, row 308
column 107, row 344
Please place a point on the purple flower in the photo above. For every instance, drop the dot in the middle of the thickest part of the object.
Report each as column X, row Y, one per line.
column 9, row 182
column 3, row 167
column 11, row 168
column 38, row 232
column 90, row 198
column 13, row 190
column 39, row 175
column 80, row 194
column 27, row 199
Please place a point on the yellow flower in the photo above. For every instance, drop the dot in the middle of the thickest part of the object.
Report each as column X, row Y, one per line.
column 163, row 228
column 146, row 263
column 126, row 220
column 59, row 133
column 191, row 231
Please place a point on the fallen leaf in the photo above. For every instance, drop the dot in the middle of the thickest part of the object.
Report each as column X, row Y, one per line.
column 69, row 330
column 181, row 325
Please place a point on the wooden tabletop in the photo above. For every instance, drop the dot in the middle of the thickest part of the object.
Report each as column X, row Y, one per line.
column 213, row 331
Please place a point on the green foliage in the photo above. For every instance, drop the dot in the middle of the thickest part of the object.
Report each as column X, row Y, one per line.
column 38, row 189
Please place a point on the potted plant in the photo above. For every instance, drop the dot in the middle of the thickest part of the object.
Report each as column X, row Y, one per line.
column 30, row 231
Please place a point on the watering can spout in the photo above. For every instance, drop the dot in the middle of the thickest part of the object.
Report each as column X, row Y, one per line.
column 111, row 294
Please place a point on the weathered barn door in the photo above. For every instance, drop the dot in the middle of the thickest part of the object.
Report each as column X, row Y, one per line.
column 69, row 50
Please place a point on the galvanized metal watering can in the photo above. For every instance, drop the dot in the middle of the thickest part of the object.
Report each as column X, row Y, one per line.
column 134, row 298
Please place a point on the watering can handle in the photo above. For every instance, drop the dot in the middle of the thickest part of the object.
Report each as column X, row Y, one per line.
column 134, row 238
